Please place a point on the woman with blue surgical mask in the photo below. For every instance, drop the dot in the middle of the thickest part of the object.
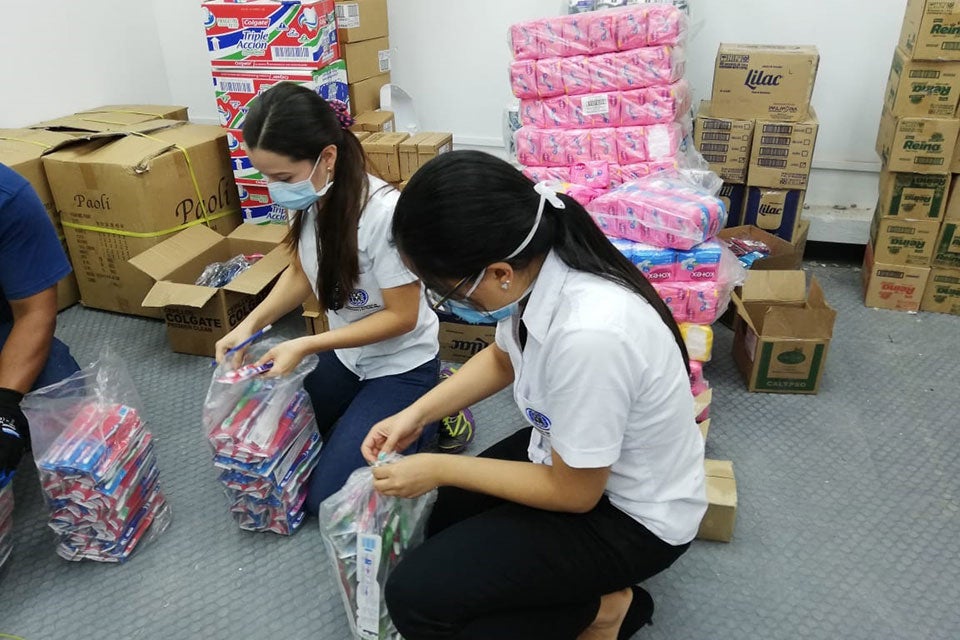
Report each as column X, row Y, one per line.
column 549, row 533
column 380, row 353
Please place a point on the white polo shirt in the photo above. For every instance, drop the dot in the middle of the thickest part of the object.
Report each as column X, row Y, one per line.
column 380, row 268
column 602, row 381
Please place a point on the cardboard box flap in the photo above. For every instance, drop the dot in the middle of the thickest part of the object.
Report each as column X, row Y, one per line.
column 159, row 111
column 798, row 323
column 718, row 468
column 163, row 259
column 775, row 286
column 167, row 294
column 274, row 233
column 101, row 122
column 138, row 148
column 253, row 280
column 26, row 144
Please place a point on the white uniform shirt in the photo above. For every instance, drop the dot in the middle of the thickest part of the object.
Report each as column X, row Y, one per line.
column 602, row 381
column 380, row 268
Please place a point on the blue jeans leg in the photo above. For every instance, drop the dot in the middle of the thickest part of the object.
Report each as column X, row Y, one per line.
column 332, row 387
column 60, row 364
column 377, row 399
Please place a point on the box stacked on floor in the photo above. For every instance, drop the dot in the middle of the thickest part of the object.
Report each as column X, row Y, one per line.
column 254, row 45
column 912, row 261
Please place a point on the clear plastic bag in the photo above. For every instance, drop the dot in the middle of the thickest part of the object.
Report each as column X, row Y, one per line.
column 96, row 461
column 220, row 274
column 362, row 527
column 6, row 522
column 265, row 441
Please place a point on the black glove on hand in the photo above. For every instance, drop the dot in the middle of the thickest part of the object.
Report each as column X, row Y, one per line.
column 14, row 432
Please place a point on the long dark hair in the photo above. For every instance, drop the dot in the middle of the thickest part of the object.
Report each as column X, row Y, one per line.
column 290, row 120
column 465, row 210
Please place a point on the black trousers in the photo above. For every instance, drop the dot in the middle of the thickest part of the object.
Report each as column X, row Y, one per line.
column 494, row 569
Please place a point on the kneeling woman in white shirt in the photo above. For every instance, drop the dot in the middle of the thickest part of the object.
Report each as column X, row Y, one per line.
column 546, row 534
column 381, row 351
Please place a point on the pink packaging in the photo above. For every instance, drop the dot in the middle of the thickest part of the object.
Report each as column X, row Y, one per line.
column 553, row 149
column 549, row 77
column 674, row 296
column 582, row 194
column 703, row 299
column 701, row 263
column 531, row 113
column 665, row 24
column 603, row 146
column 550, row 38
column 663, row 140
column 544, row 174
column 653, row 105
column 591, row 174
column 577, row 144
column 603, row 73
column 631, row 145
column 631, row 172
column 631, row 28
column 576, row 37
column 601, row 31
column 524, row 39
column 523, row 78
column 648, row 67
column 556, row 113
column 576, row 75
column 595, row 110
column 529, row 146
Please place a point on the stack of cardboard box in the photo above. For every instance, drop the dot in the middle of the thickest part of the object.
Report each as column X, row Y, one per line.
column 759, row 132
column 365, row 46
column 255, row 45
column 912, row 260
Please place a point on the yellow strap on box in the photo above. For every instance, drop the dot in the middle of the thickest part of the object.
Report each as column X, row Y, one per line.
column 148, row 234
column 193, row 175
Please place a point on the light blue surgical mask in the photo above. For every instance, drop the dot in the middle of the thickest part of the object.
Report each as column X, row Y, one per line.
column 298, row 195
column 475, row 316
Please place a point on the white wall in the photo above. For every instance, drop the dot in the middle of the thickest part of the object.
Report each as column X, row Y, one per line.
column 452, row 56
column 61, row 56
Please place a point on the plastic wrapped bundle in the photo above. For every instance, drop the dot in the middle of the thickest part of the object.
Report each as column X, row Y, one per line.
column 601, row 108
column 6, row 522
column 362, row 528
column 97, row 464
column 220, row 274
column 265, row 441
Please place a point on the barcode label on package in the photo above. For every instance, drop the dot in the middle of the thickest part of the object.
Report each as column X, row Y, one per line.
column 598, row 105
column 236, row 86
column 290, row 54
column 384, row 58
column 348, row 15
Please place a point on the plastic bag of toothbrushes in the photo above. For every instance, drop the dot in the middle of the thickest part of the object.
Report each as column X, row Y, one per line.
column 365, row 529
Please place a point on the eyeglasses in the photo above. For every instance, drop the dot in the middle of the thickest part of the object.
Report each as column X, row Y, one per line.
column 436, row 300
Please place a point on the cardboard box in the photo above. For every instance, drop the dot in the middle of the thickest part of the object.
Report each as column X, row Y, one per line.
column 22, row 150
column 197, row 316
column 782, row 153
column 235, row 89
column 942, row 294
column 82, row 124
column 312, row 305
column 365, row 95
column 931, row 30
column 704, row 428
column 782, row 332
column 266, row 34
column 721, row 516
column 955, row 162
column 68, row 292
column 460, row 341
column 367, row 59
column 155, row 111
column 725, row 143
column 764, row 82
column 952, row 206
column 776, row 211
column 922, row 89
column 913, row 196
column 362, row 135
column 889, row 286
column 120, row 195
column 784, row 256
column 383, row 150
column 409, row 158
column 315, row 323
column 918, row 145
column 361, row 20
column 903, row 242
column 734, row 196
column 947, row 251
column 433, row 145
column 375, row 122
column 258, row 208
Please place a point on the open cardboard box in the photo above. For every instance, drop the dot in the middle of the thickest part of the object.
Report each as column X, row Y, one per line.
column 198, row 316
column 782, row 332
column 721, row 516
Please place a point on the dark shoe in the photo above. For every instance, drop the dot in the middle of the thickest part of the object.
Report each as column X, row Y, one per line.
column 456, row 432
column 638, row 615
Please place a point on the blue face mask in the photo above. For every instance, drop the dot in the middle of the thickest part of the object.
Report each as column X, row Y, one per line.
column 475, row 316
column 297, row 195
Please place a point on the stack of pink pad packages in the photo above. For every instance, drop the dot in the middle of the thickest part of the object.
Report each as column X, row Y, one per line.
column 265, row 443
column 97, row 463
column 602, row 95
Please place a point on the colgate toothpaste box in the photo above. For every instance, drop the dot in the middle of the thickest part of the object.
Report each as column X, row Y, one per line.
column 236, row 88
column 271, row 34
column 257, row 207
